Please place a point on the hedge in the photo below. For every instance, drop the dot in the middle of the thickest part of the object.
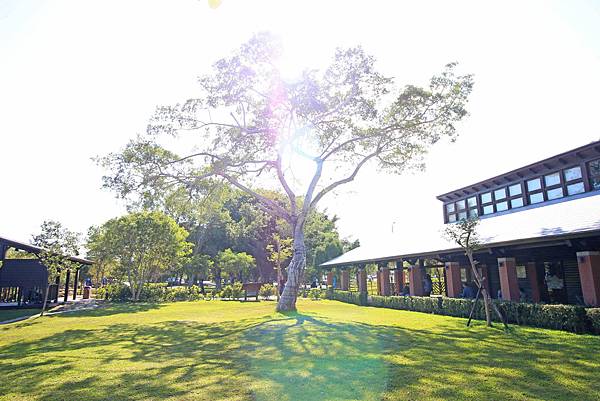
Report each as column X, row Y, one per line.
column 152, row 292
column 573, row 318
column 593, row 315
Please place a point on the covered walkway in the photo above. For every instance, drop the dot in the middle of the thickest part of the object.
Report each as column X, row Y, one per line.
column 538, row 254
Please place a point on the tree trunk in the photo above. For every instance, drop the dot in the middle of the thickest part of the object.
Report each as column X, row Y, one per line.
column 218, row 285
column 45, row 300
column 479, row 280
column 295, row 270
column 487, row 300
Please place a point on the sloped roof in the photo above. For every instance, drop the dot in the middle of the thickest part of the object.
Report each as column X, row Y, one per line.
column 563, row 218
column 36, row 249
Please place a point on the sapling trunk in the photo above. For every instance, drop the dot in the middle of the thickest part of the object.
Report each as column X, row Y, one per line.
column 45, row 299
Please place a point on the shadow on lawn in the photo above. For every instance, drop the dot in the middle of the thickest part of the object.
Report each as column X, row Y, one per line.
column 109, row 309
column 311, row 358
column 299, row 357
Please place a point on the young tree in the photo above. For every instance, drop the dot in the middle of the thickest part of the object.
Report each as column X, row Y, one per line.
column 58, row 243
column 235, row 264
column 197, row 267
column 464, row 234
column 322, row 127
column 143, row 245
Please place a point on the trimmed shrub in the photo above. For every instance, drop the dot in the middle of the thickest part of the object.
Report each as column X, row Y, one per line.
column 151, row 292
column 571, row 318
column 267, row 290
column 593, row 316
column 316, row 294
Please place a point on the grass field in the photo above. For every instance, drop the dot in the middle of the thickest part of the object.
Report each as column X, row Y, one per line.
column 329, row 351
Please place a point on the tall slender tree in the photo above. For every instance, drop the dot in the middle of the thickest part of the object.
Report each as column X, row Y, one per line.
column 464, row 234
column 308, row 136
column 58, row 243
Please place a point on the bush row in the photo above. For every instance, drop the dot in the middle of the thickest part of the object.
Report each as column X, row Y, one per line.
column 160, row 292
column 150, row 293
column 571, row 318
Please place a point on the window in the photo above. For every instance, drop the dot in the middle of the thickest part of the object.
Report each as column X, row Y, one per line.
column 514, row 190
column 462, row 215
column 555, row 193
column 502, row 206
column 536, row 198
column 449, row 207
column 517, row 202
column 573, row 173
column 486, row 197
column 573, row 189
column 594, row 173
column 472, row 202
column 451, row 218
column 460, row 204
column 489, row 209
column 521, row 272
column 552, row 179
column 500, row 194
column 473, row 212
column 535, row 184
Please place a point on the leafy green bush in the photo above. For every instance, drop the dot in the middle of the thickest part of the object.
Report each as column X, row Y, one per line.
column 226, row 292
column 316, row 294
column 593, row 316
column 236, row 291
column 561, row 317
column 267, row 290
column 192, row 293
column 151, row 292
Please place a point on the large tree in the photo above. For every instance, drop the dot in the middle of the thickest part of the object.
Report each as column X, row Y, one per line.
column 308, row 135
column 142, row 245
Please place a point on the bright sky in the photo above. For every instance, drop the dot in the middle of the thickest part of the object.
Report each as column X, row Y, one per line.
column 80, row 78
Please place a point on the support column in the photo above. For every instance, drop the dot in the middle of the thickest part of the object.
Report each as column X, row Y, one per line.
column 345, row 284
column 67, row 282
column 385, row 281
column 589, row 274
column 453, row 282
column 378, row 275
column 509, row 284
column 398, row 278
column 57, row 282
column 75, row 283
column 416, row 280
column 533, row 281
column 330, row 279
column 362, row 280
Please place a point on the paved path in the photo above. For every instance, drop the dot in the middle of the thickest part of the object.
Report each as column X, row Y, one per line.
column 71, row 306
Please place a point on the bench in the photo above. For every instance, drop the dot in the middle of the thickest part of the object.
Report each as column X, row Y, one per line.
column 251, row 290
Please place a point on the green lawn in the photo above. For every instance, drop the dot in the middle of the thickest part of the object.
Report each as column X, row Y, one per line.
column 330, row 351
column 15, row 313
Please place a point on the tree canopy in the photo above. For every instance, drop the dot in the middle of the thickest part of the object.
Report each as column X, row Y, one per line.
column 142, row 245
column 305, row 136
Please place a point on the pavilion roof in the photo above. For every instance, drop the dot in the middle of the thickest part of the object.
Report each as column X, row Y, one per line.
column 36, row 249
column 565, row 218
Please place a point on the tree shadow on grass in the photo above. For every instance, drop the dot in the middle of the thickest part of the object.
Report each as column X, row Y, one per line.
column 109, row 309
column 168, row 360
column 299, row 357
column 306, row 358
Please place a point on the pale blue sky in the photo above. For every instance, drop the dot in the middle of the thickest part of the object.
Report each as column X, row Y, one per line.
column 79, row 78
